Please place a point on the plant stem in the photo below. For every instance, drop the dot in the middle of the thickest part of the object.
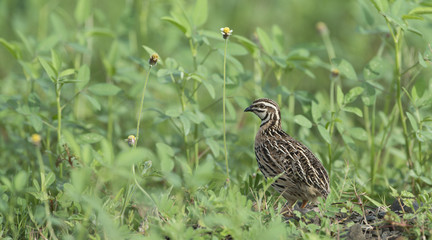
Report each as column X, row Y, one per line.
column 180, row 91
column 397, row 38
column 110, row 112
column 223, row 110
column 59, row 119
column 291, row 107
column 370, row 128
column 110, row 127
column 45, row 194
column 329, row 146
column 141, row 188
column 332, row 112
column 141, row 106
column 194, row 51
column 59, row 112
column 401, row 111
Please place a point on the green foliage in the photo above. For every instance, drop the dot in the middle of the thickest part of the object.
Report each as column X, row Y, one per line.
column 360, row 98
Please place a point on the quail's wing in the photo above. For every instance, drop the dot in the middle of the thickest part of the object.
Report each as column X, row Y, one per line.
column 300, row 164
column 316, row 174
column 268, row 159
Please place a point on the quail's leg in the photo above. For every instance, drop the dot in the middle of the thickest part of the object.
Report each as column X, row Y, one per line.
column 304, row 204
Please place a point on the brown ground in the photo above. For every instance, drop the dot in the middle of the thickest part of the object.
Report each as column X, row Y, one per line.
column 375, row 223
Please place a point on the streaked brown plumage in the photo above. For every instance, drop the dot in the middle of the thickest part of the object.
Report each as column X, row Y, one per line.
column 303, row 176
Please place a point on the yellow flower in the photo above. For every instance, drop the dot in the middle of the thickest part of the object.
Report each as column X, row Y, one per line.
column 153, row 59
column 131, row 140
column 36, row 139
column 226, row 32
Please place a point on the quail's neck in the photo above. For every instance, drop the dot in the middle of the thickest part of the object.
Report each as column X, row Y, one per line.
column 272, row 123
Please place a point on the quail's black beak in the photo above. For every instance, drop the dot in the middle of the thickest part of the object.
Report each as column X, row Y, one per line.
column 248, row 109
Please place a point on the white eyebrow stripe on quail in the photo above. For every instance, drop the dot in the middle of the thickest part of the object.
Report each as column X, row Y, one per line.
column 268, row 105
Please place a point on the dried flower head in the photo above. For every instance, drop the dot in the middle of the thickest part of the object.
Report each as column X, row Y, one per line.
column 153, row 59
column 322, row 28
column 335, row 72
column 131, row 140
column 36, row 139
column 226, row 32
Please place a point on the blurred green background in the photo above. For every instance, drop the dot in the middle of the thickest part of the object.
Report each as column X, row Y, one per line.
column 343, row 105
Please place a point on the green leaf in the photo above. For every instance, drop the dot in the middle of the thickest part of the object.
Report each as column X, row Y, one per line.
column 95, row 103
column 354, row 110
column 180, row 25
column 413, row 17
column 13, row 49
column 235, row 49
column 352, row 95
column 345, row 68
column 20, row 181
column 373, row 201
column 414, row 95
column 36, row 122
column 248, row 44
column 412, row 121
column 316, row 112
column 265, row 41
column 196, row 118
column 358, row 133
column 369, row 95
column 421, row 60
column 90, row 138
column 166, row 149
column 56, row 61
column 80, row 179
column 214, row 146
column 339, row 96
column 421, row 10
column 231, row 109
column 211, row 132
column 104, row 89
column 100, row 32
column 67, row 72
column 49, row 179
column 426, row 180
column 278, row 37
column 302, row 121
column 166, row 154
column 374, row 69
column 173, row 112
column 82, row 10
column 127, row 158
column 186, row 124
column 324, row 134
column 200, row 12
column 52, row 73
column 280, row 61
column 196, row 77
column 202, row 175
column 406, row 194
column 416, row 31
column 210, row 88
column 83, row 77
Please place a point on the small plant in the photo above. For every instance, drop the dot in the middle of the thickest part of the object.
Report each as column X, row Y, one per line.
column 226, row 32
column 152, row 62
